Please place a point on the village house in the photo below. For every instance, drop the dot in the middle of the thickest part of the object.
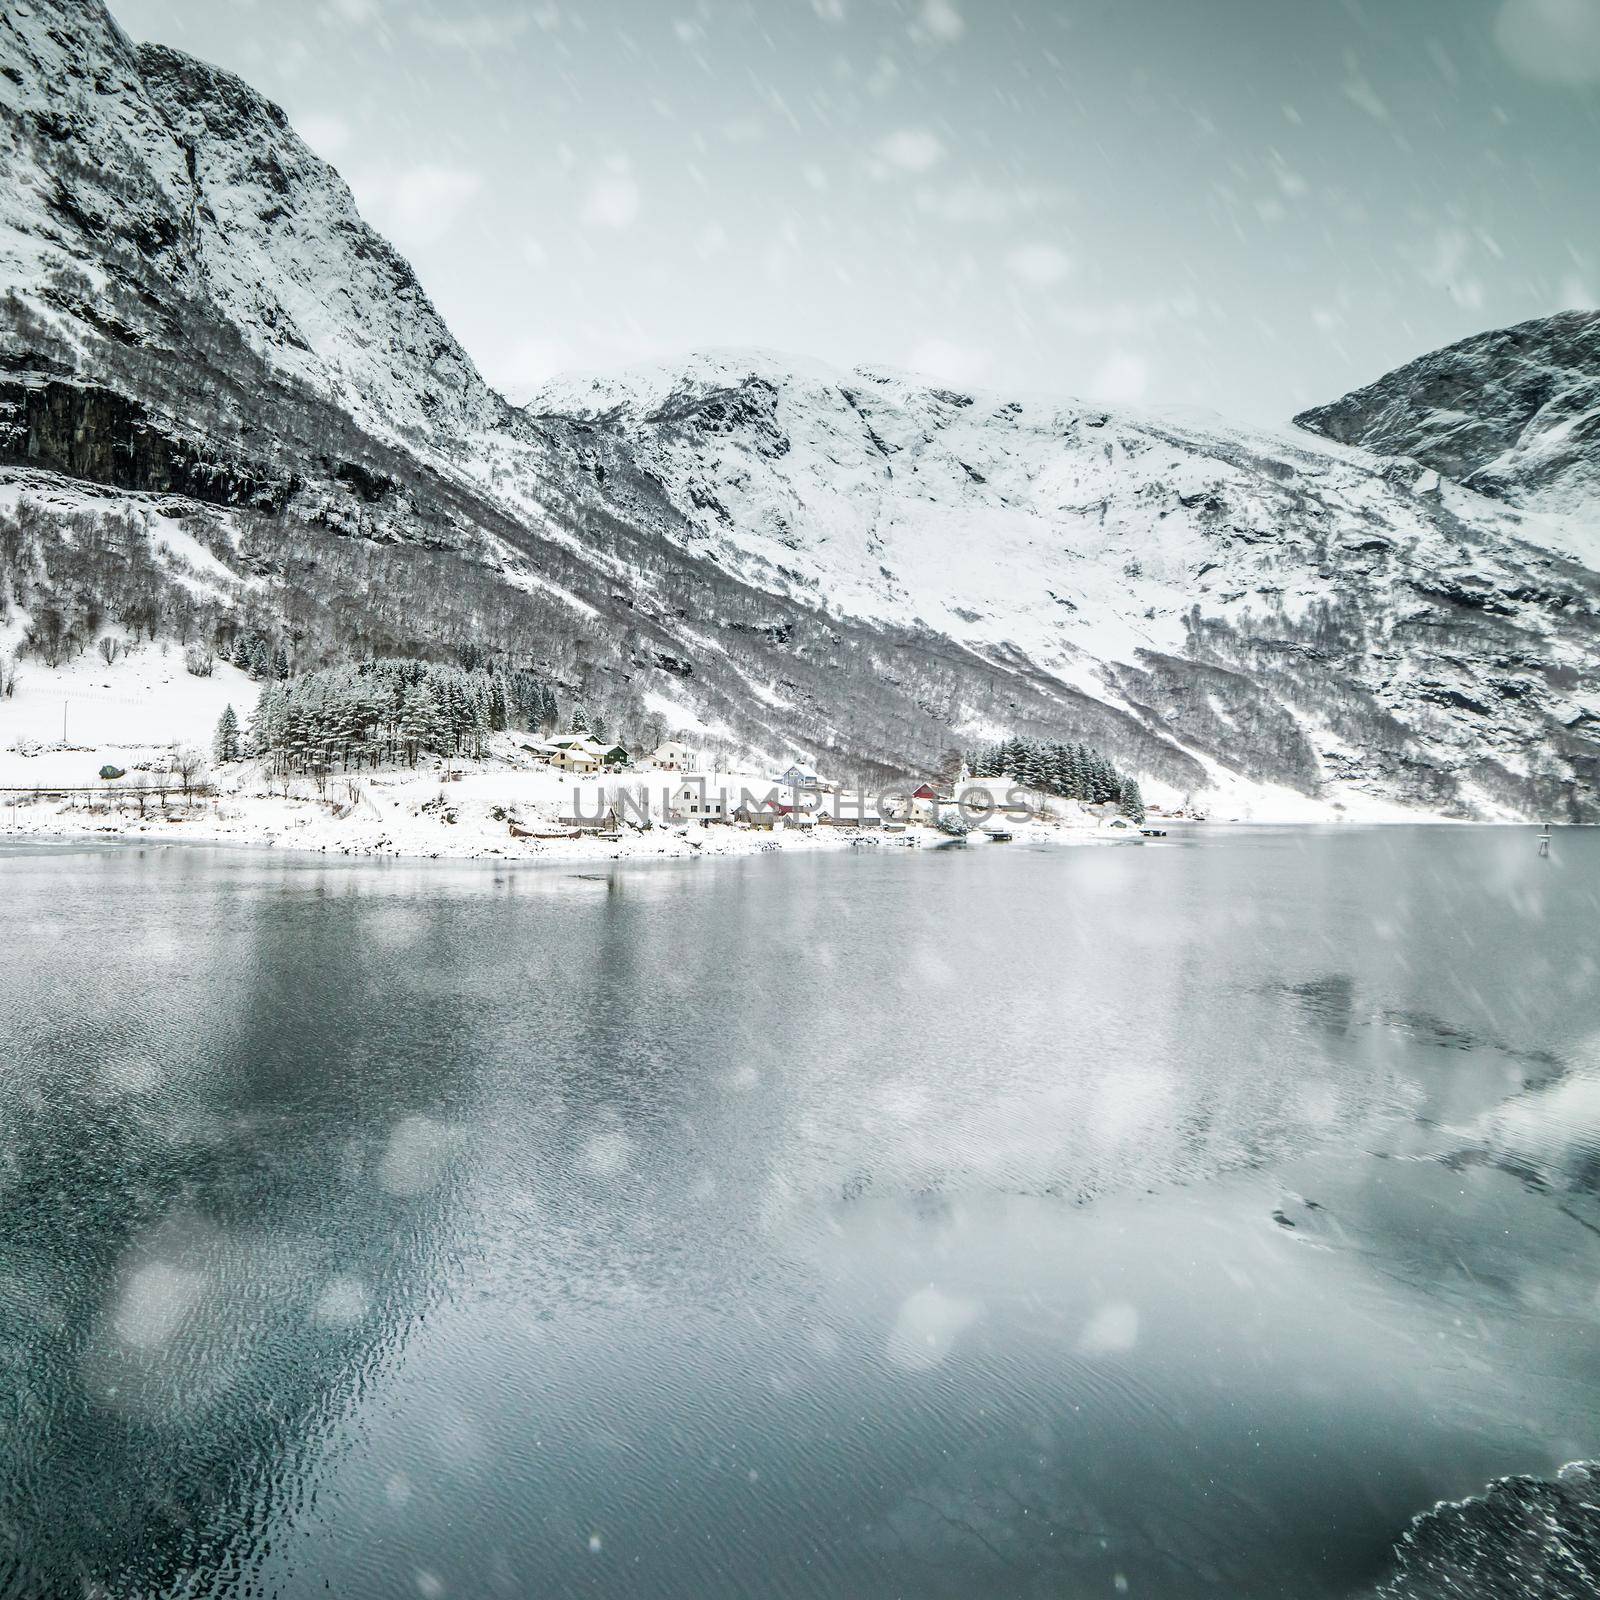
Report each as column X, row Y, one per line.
column 569, row 753
column 672, row 756
column 574, row 757
column 698, row 802
column 608, row 807
column 851, row 811
column 588, row 819
column 923, row 803
column 769, row 813
column 581, row 752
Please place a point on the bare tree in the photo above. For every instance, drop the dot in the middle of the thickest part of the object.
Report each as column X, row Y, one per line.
column 109, row 646
column 188, row 766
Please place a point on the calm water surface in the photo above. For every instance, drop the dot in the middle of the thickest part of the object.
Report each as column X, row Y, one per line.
column 1174, row 1220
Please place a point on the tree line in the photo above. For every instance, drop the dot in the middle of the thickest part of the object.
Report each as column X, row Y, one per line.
column 373, row 713
column 1069, row 771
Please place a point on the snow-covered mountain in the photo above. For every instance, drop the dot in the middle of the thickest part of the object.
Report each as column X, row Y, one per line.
column 1274, row 605
column 1514, row 414
column 224, row 398
column 142, row 185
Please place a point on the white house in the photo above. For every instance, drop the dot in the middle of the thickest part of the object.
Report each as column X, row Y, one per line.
column 672, row 757
column 925, row 802
column 698, row 801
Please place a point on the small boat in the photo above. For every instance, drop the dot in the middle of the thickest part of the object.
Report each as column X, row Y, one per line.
column 999, row 835
column 1153, row 833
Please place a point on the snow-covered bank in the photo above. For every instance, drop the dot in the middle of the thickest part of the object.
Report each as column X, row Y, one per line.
column 497, row 812
column 493, row 813
column 61, row 726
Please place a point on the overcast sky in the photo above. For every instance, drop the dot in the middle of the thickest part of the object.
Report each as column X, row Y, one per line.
column 1246, row 204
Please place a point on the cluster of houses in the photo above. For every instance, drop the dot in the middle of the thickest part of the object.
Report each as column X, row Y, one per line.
column 671, row 786
column 797, row 798
column 579, row 752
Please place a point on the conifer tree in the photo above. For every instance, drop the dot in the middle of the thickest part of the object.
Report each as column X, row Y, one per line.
column 226, row 743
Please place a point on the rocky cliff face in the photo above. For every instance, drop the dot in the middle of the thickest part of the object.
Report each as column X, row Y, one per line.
column 1514, row 414
column 854, row 566
column 148, row 194
column 281, row 250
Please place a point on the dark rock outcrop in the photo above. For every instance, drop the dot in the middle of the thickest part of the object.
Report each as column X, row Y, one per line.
column 1514, row 414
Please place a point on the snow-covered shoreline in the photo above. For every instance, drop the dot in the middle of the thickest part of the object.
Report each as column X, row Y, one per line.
column 300, row 824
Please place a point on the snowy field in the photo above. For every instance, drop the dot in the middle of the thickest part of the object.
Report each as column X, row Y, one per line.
column 133, row 710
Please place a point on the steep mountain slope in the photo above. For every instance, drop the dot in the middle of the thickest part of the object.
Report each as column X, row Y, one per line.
column 225, row 402
column 142, row 184
column 1514, row 414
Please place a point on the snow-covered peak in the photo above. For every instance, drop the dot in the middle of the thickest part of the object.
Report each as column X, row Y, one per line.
column 285, row 252
column 1513, row 413
column 644, row 388
column 1050, row 525
column 665, row 388
column 183, row 184
column 1162, row 566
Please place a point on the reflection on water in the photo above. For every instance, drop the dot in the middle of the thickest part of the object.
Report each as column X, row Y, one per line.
column 217, row 1222
column 1177, row 1221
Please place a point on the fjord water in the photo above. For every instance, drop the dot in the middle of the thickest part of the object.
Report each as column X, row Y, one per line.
column 1176, row 1220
